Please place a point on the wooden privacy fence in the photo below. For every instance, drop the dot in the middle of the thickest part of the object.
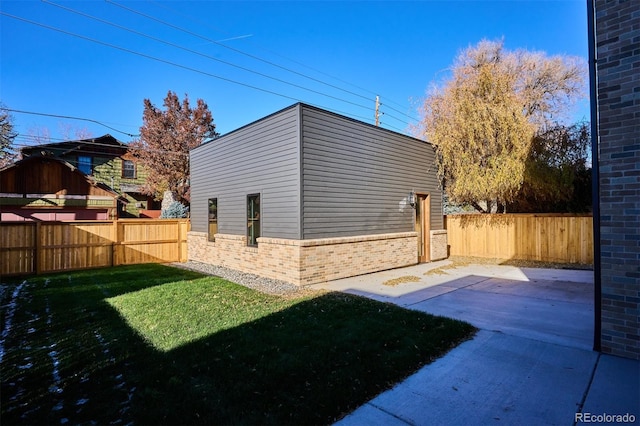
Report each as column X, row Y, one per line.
column 538, row 237
column 39, row 247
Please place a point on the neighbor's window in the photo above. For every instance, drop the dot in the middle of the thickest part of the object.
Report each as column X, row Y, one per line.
column 253, row 219
column 128, row 169
column 84, row 164
column 213, row 218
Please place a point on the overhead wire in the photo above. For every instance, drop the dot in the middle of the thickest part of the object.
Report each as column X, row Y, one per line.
column 400, row 112
column 127, row 50
column 68, row 117
column 87, row 143
column 280, row 66
column 261, row 60
column 232, row 48
column 195, row 52
column 27, row 140
column 144, row 55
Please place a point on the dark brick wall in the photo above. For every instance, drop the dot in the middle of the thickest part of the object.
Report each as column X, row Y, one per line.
column 617, row 25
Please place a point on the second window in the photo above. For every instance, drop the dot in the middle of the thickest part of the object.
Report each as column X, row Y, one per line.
column 253, row 219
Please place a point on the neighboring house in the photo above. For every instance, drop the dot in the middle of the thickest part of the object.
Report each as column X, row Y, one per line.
column 305, row 195
column 43, row 189
column 106, row 160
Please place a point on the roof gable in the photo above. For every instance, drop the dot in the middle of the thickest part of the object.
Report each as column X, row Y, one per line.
column 50, row 175
column 104, row 145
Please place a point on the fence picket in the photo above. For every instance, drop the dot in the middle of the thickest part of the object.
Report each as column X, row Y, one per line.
column 44, row 247
column 538, row 237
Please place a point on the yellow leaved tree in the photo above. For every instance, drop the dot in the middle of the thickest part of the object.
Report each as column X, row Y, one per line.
column 484, row 117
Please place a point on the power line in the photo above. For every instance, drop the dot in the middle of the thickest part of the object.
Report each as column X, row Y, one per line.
column 261, row 60
column 190, row 68
column 144, row 55
column 25, row 139
column 168, row 43
column 276, row 65
column 69, row 117
column 257, row 58
column 400, row 112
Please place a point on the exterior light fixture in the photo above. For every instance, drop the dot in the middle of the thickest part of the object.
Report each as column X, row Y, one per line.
column 412, row 199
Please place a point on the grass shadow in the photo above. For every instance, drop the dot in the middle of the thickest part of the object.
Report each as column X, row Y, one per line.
column 311, row 363
column 75, row 358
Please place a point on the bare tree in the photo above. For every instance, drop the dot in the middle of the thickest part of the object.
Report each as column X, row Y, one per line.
column 82, row 133
column 165, row 140
column 39, row 135
column 69, row 132
column 7, row 136
column 482, row 120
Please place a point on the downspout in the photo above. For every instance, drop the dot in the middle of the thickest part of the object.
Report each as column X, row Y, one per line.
column 595, row 175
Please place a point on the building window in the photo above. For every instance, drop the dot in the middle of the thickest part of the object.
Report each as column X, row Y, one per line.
column 213, row 218
column 84, row 164
column 253, row 219
column 128, row 169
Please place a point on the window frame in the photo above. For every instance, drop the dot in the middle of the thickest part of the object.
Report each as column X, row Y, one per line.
column 212, row 236
column 253, row 222
column 135, row 169
column 81, row 165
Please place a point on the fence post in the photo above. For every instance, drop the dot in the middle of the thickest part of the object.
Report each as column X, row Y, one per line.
column 39, row 256
column 183, row 229
column 114, row 243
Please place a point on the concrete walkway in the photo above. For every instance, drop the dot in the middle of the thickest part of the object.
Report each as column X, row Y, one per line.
column 531, row 362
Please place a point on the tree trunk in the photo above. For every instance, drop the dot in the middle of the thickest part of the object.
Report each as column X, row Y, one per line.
column 478, row 207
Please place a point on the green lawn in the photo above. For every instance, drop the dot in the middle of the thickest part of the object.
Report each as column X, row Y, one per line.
column 152, row 344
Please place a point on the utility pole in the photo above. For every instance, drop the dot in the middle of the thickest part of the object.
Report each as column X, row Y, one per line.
column 377, row 110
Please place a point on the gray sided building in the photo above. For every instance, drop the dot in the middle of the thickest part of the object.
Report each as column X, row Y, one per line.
column 305, row 195
column 615, row 103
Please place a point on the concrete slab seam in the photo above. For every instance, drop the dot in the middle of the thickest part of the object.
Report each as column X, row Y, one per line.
column 391, row 414
column 586, row 392
column 522, row 297
column 561, row 345
column 452, row 291
column 528, row 297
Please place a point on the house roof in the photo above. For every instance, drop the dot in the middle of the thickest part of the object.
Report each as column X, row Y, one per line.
column 105, row 144
column 304, row 105
column 90, row 180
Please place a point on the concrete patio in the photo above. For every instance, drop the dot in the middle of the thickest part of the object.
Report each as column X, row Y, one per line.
column 531, row 361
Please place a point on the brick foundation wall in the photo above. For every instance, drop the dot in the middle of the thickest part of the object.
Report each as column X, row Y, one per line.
column 305, row 262
column 439, row 248
column 272, row 260
column 618, row 79
column 333, row 258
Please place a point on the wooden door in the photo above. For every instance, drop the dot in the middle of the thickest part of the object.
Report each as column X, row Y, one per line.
column 423, row 227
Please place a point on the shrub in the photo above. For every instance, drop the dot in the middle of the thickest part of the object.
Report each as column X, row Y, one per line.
column 174, row 211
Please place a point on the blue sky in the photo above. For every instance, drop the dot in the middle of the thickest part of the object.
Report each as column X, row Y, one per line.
column 334, row 54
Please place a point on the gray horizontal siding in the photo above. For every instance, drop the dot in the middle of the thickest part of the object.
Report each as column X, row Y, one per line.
column 262, row 157
column 355, row 176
